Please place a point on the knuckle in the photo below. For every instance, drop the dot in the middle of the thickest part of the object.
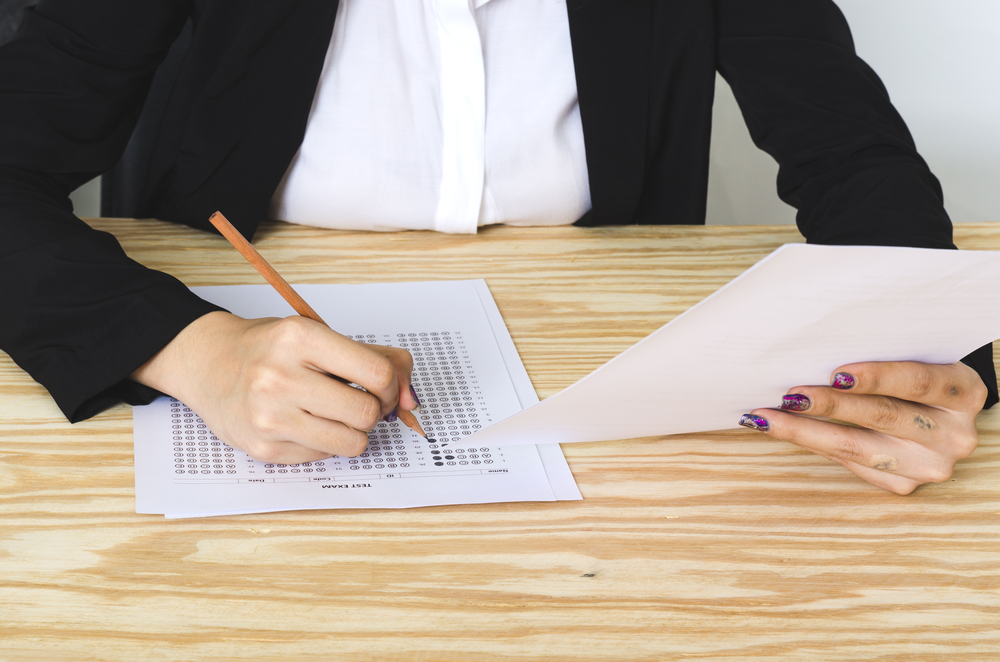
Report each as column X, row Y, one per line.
column 938, row 472
column 922, row 384
column 884, row 462
column 381, row 373
column 266, row 381
column 407, row 358
column 369, row 412
column 849, row 449
column 394, row 353
column 975, row 396
column 964, row 444
column 291, row 330
column 822, row 405
column 885, row 414
column 267, row 453
column 265, row 422
column 354, row 445
column 965, row 388
column 869, row 376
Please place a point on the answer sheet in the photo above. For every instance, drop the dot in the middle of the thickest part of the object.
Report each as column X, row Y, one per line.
column 790, row 320
column 466, row 372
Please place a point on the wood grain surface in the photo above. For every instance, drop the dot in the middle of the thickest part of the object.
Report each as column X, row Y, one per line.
column 694, row 547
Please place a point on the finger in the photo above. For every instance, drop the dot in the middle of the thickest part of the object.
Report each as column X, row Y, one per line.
column 891, row 482
column 867, row 448
column 328, row 351
column 951, row 435
column 295, row 436
column 875, row 412
column 414, row 400
column 320, row 395
column 957, row 387
column 402, row 361
column 286, row 452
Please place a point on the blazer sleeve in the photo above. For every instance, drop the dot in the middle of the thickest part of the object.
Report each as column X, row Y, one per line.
column 77, row 314
column 846, row 160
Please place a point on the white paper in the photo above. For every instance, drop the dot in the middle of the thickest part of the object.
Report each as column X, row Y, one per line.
column 791, row 320
column 466, row 372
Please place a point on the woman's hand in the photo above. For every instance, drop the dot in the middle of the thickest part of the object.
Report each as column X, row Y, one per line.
column 914, row 420
column 265, row 385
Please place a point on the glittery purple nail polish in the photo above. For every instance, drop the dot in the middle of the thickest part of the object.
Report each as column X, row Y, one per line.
column 795, row 402
column 415, row 399
column 843, row 381
column 754, row 422
column 391, row 417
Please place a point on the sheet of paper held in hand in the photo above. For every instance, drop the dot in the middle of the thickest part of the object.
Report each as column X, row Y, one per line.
column 466, row 372
column 790, row 320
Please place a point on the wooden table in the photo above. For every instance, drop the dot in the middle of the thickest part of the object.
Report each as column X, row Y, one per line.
column 694, row 547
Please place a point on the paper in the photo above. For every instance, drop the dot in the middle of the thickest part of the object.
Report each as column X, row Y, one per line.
column 466, row 372
column 791, row 320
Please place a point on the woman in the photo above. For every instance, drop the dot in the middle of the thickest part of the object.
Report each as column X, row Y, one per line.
column 441, row 114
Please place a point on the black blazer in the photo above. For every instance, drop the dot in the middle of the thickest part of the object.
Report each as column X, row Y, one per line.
column 73, row 83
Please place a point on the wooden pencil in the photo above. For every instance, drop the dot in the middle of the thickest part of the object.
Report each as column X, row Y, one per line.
column 286, row 291
column 410, row 421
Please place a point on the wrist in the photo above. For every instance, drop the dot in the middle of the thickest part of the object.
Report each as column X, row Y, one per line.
column 179, row 366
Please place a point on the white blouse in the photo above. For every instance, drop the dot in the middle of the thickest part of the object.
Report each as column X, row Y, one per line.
column 442, row 115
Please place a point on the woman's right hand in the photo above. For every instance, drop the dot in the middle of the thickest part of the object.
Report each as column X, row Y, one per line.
column 265, row 385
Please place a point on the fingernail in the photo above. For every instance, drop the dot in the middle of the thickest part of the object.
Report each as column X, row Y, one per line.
column 795, row 402
column 843, row 381
column 415, row 399
column 755, row 422
column 391, row 417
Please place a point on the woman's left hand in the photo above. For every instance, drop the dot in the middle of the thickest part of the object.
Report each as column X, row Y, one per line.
column 914, row 420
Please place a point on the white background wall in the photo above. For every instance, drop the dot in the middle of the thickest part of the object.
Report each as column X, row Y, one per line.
column 87, row 199
column 939, row 59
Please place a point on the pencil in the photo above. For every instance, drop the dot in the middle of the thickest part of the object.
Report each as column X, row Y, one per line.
column 240, row 243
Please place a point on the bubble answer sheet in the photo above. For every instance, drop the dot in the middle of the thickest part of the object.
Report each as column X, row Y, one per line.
column 466, row 372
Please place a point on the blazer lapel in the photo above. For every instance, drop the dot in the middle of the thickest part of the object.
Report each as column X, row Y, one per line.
column 234, row 135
